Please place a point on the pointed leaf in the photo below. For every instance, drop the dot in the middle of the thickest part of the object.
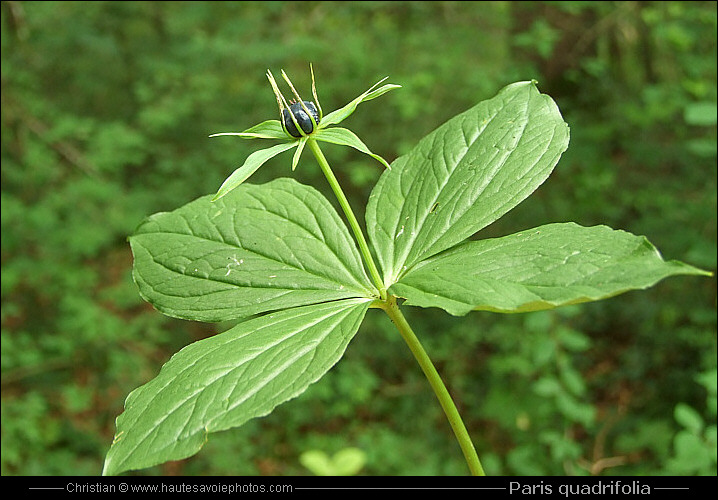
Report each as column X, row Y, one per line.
column 342, row 113
column 541, row 268
column 345, row 137
column 270, row 129
column 369, row 95
column 260, row 248
column 463, row 176
column 223, row 381
column 251, row 164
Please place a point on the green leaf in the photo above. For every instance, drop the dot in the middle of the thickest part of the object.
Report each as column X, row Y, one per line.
column 223, row 381
column 701, row 114
column 270, row 129
column 342, row 113
column 540, row 268
column 345, row 462
column 345, row 137
column 251, row 164
column 463, row 176
column 689, row 418
column 692, row 455
column 260, row 248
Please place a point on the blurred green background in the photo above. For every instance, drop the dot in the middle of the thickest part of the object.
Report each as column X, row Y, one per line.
column 106, row 109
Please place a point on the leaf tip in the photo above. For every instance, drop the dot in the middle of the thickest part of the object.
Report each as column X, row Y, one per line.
column 689, row 269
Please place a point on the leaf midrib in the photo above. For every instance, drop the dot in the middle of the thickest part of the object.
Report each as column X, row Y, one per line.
column 182, row 402
column 418, row 227
column 362, row 291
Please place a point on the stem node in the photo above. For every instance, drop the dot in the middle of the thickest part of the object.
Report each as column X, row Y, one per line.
column 388, row 304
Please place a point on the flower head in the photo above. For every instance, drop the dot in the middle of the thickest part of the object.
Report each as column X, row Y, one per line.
column 299, row 118
column 300, row 121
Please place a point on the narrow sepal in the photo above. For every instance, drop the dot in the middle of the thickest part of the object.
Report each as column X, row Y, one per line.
column 251, row 165
column 345, row 137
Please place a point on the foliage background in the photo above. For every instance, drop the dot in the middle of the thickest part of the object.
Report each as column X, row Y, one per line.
column 106, row 109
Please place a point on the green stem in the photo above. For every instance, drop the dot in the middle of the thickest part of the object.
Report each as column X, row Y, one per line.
column 442, row 394
column 363, row 246
column 388, row 303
